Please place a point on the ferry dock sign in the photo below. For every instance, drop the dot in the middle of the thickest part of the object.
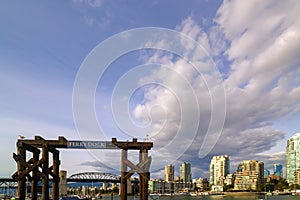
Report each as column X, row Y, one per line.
column 91, row 145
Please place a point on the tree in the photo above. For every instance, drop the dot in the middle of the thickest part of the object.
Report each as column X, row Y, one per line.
column 227, row 188
column 281, row 185
column 260, row 187
column 294, row 187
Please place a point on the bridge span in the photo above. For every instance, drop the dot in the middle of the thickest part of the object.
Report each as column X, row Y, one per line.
column 94, row 177
column 81, row 177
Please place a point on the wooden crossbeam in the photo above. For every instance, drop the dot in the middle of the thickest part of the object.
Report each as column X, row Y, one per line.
column 136, row 168
column 140, row 165
column 29, row 167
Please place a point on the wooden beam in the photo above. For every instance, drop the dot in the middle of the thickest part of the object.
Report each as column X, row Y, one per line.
column 134, row 145
column 34, row 182
column 45, row 170
column 55, row 175
column 39, row 141
column 140, row 165
column 28, row 147
column 21, row 174
column 134, row 167
column 123, row 184
column 144, row 176
column 21, row 182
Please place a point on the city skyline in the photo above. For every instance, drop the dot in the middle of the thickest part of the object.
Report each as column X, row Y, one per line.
column 219, row 162
column 244, row 101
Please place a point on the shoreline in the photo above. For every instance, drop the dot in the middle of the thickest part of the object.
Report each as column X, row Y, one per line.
column 243, row 193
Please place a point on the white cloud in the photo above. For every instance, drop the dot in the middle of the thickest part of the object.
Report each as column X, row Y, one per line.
column 90, row 3
column 182, row 96
column 263, row 45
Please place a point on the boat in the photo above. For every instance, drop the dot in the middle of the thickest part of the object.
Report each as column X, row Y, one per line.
column 269, row 194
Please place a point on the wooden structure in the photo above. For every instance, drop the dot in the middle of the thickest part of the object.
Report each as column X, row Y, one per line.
column 29, row 170
column 142, row 168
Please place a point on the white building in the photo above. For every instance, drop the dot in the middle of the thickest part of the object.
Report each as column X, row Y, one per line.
column 218, row 169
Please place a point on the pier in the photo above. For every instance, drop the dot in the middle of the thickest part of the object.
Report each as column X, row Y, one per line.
column 29, row 170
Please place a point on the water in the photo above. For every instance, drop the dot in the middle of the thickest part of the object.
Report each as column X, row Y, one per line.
column 231, row 197
column 12, row 192
column 213, row 197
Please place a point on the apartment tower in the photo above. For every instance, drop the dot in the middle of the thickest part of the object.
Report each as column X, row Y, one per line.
column 169, row 173
column 218, row 169
column 292, row 157
column 185, row 172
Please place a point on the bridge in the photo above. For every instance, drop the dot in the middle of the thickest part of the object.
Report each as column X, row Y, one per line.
column 94, row 177
column 8, row 186
column 83, row 177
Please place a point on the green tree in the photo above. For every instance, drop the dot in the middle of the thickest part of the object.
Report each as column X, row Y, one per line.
column 294, row 187
column 261, row 187
column 281, row 185
column 227, row 188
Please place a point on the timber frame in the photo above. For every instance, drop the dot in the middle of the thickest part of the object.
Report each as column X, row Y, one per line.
column 142, row 168
column 29, row 170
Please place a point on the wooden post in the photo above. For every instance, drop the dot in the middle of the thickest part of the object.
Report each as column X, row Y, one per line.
column 22, row 182
column 34, row 182
column 142, row 168
column 123, row 184
column 55, row 182
column 45, row 170
column 144, row 180
column 24, row 168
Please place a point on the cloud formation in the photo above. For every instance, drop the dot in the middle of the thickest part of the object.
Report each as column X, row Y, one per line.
column 261, row 45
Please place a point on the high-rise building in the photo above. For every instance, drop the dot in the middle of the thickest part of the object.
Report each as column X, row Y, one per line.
column 249, row 175
column 218, row 169
column 266, row 173
column 292, row 157
column 297, row 176
column 278, row 170
column 169, row 173
column 185, row 172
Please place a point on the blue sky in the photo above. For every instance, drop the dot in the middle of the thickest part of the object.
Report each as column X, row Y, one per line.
column 253, row 45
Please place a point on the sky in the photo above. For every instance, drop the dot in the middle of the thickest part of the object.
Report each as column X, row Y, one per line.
column 197, row 78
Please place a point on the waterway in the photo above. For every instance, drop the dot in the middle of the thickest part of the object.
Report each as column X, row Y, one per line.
column 213, row 197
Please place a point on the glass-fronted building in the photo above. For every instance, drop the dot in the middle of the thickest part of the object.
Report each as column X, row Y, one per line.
column 292, row 157
column 185, row 172
column 278, row 170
